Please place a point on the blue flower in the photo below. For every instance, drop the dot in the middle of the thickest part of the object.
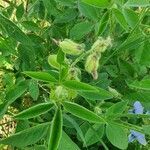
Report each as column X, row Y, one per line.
column 137, row 108
column 134, row 135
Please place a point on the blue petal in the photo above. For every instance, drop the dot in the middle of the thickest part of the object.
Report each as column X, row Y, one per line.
column 131, row 138
column 138, row 108
column 139, row 137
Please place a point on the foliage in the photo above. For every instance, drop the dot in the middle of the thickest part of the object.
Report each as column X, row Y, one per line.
column 71, row 72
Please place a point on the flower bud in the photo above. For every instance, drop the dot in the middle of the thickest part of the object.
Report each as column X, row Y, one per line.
column 72, row 94
column 114, row 92
column 74, row 74
column 70, row 47
column 92, row 64
column 61, row 93
column 52, row 60
column 97, row 110
column 101, row 45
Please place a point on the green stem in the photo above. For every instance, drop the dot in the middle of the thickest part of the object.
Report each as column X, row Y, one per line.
column 129, row 126
column 133, row 115
column 81, row 57
column 104, row 145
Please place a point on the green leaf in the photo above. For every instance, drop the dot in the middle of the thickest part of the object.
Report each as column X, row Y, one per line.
column 3, row 109
column 16, row 92
column 126, row 68
column 41, row 10
column 14, row 31
column 142, row 85
column 94, row 134
column 34, row 111
column 80, row 30
column 25, row 137
column 67, row 16
column 42, row 76
column 66, row 2
column 12, row 95
column 137, row 3
column 76, row 126
column 83, row 112
column 103, row 23
column 117, row 108
column 101, row 94
column 60, row 56
column 20, row 11
column 120, row 18
column 142, row 96
column 117, row 136
column 56, row 131
column 88, row 91
column 145, row 57
column 30, row 25
column 79, row 86
column 131, row 17
column 88, row 11
column 34, row 89
column 97, row 3
column 146, row 129
column 66, row 143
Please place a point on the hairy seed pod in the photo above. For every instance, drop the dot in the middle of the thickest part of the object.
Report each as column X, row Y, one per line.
column 70, row 47
column 101, row 45
column 92, row 64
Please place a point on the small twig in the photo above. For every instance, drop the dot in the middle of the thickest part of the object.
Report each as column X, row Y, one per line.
column 26, row 8
column 43, row 88
column 55, row 41
column 6, row 122
column 7, row 1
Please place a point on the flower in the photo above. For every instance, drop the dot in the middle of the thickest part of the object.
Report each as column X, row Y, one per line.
column 138, row 108
column 134, row 135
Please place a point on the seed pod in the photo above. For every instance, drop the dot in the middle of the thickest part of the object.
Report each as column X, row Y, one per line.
column 52, row 60
column 70, row 47
column 101, row 45
column 92, row 64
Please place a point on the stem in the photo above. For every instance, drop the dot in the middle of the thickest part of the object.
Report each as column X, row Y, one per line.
column 104, row 145
column 43, row 88
column 81, row 57
column 133, row 115
column 129, row 126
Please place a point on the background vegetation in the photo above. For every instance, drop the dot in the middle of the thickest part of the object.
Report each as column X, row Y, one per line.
column 74, row 74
